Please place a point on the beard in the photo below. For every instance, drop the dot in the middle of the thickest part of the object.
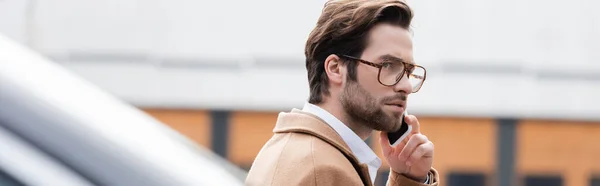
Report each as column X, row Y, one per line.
column 363, row 109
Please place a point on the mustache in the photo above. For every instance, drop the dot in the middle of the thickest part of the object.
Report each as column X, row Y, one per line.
column 402, row 97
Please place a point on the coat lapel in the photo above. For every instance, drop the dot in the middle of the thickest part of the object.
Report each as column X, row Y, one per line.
column 302, row 122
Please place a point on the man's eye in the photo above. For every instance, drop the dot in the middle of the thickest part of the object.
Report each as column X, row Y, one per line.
column 387, row 65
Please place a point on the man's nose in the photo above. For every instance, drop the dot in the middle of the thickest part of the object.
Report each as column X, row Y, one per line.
column 403, row 85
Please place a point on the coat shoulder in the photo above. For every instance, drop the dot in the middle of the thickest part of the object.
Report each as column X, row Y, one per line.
column 300, row 159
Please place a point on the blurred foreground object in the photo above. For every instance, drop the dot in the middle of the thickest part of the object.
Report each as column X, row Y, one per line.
column 58, row 129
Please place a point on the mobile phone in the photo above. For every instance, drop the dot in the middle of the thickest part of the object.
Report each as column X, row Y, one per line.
column 396, row 137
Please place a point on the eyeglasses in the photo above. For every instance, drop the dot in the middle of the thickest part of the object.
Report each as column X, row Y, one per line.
column 391, row 72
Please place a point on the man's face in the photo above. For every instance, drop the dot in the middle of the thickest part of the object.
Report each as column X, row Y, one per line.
column 366, row 100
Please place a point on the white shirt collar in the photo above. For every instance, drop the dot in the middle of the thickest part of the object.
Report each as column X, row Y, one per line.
column 359, row 148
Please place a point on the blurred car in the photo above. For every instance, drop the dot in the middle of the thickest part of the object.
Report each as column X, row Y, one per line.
column 58, row 129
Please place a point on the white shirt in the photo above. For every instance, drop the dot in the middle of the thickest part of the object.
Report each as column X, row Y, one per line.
column 359, row 148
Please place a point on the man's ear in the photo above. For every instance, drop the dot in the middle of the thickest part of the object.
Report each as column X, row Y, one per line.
column 334, row 69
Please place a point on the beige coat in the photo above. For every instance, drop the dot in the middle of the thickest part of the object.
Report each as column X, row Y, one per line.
column 306, row 151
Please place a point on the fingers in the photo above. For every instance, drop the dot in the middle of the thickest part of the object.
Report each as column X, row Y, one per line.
column 414, row 142
column 404, row 150
column 423, row 150
column 402, row 143
column 412, row 121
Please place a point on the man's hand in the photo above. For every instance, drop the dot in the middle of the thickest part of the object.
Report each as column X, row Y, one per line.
column 413, row 156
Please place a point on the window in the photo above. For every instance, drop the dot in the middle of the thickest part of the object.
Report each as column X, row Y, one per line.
column 595, row 181
column 7, row 180
column 466, row 179
column 543, row 181
column 382, row 178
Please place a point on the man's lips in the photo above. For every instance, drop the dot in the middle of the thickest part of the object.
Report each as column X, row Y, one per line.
column 399, row 107
column 397, row 103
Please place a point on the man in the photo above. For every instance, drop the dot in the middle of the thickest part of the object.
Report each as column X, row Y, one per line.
column 360, row 70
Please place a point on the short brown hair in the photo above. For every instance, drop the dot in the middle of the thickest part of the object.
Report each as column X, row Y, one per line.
column 343, row 28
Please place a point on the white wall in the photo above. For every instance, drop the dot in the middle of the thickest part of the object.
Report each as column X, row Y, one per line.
column 543, row 34
column 484, row 57
column 13, row 19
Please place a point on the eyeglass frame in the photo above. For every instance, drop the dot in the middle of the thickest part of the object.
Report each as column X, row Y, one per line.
column 380, row 66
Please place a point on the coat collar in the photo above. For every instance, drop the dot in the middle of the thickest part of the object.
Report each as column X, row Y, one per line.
column 298, row 121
